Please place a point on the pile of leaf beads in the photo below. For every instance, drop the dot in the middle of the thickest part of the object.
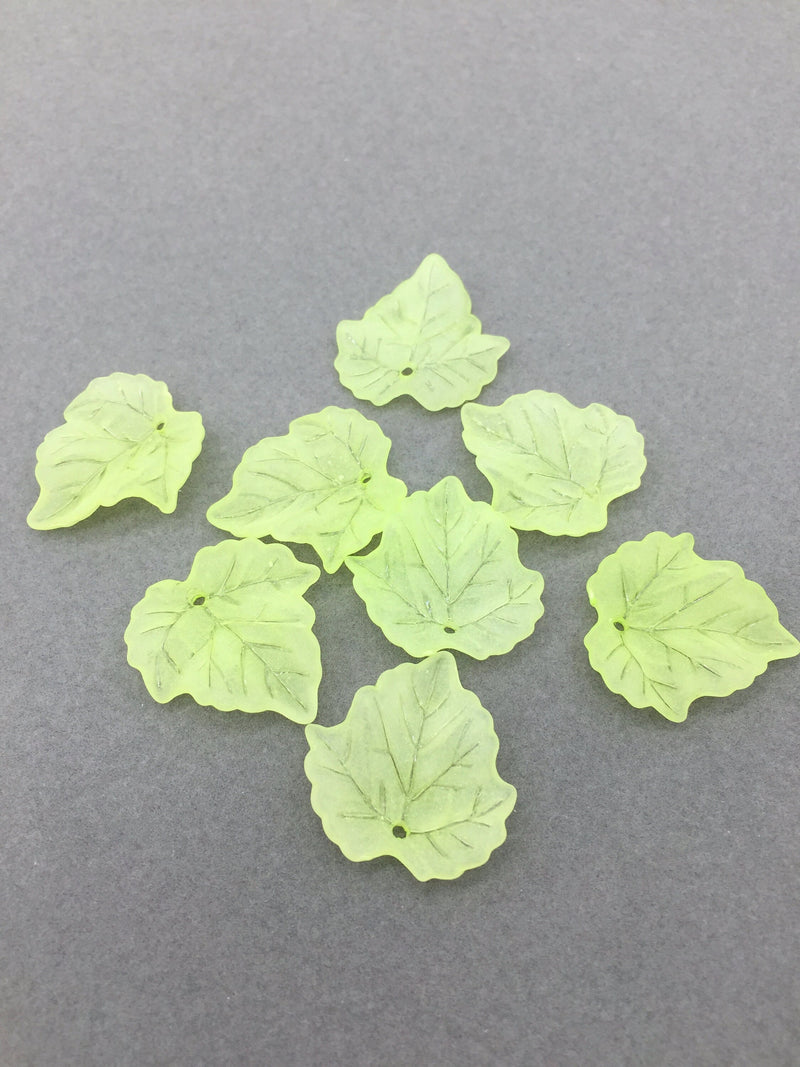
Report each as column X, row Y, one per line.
column 411, row 771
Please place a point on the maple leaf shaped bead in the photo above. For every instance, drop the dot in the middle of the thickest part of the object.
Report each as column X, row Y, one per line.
column 121, row 438
column 411, row 773
column 324, row 483
column 447, row 574
column 672, row 627
column 236, row 634
column 421, row 340
column 552, row 466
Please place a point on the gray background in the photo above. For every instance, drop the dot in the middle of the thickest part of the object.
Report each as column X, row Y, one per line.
column 200, row 191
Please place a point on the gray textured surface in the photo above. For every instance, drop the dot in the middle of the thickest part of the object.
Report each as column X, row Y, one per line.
column 200, row 191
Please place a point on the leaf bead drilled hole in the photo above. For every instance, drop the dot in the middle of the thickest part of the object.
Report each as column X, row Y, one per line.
column 406, row 371
column 449, row 629
column 619, row 624
column 366, row 477
column 199, row 600
column 160, row 425
column 399, row 831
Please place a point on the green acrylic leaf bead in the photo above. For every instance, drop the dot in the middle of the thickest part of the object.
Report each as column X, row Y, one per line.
column 447, row 574
column 121, row 438
column 672, row 627
column 554, row 467
column 324, row 483
column 411, row 773
column 422, row 341
column 236, row 634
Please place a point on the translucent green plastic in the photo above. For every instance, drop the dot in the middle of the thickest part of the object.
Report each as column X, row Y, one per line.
column 672, row 627
column 235, row 635
column 411, row 773
column 447, row 574
column 121, row 438
column 421, row 340
column 324, row 483
column 554, row 467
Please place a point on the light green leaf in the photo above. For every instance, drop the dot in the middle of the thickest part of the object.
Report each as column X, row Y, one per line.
column 324, row 483
column 236, row 634
column 411, row 773
column 121, row 438
column 672, row 627
column 447, row 575
column 420, row 341
column 554, row 467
